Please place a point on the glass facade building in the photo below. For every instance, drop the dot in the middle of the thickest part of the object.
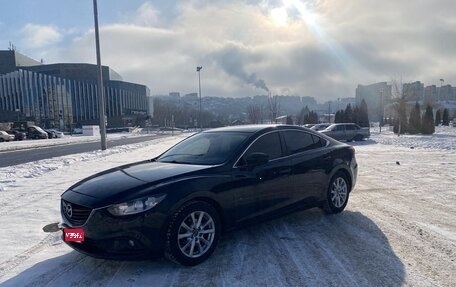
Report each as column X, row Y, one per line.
column 64, row 103
column 54, row 102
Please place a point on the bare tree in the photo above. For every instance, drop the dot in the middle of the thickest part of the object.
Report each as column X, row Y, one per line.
column 254, row 113
column 274, row 107
column 399, row 106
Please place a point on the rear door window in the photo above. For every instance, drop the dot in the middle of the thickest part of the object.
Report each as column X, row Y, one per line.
column 297, row 141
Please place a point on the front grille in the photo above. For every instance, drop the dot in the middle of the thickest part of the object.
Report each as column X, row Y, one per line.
column 79, row 214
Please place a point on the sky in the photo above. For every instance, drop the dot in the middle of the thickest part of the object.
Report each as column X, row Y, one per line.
column 318, row 48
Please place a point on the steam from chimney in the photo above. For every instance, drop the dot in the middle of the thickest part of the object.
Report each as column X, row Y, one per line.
column 232, row 59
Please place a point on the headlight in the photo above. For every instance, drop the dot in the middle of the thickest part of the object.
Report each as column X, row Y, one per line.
column 136, row 206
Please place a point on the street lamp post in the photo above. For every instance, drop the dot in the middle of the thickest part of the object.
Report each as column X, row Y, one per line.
column 382, row 112
column 101, row 105
column 440, row 90
column 329, row 112
column 198, row 69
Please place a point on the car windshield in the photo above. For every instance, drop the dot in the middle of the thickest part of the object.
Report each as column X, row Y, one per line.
column 205, row 148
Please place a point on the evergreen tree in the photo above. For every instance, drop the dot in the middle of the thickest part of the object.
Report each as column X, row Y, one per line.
column 438, row 118
column 445, row 118
column 428, row 121
column 355, row 115
column 313, row 117
column 363, row 117
column 414, row 126
column 348, row 118
column 303, row 115
column 338, row 117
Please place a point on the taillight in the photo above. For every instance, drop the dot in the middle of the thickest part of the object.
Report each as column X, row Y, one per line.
column 351, row 150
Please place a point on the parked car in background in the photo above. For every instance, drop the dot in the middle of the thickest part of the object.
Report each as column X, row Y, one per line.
column 51, row 134
column 18, row 136
column 77, row 131
column 180, row 202
column 35, row 132
column 347, row 132
column 319, row 127
column 58, row 134
column 6, row 137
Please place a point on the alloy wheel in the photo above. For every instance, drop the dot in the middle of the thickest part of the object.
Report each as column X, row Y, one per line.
column 196, row 234
column 339, row 191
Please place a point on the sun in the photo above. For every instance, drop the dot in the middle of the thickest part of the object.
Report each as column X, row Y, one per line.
column 279, row 16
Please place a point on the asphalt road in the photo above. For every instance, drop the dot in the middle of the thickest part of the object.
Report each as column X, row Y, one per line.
column 23, row 156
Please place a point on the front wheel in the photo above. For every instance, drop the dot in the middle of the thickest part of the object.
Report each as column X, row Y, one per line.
column 193, row 233
column 337, row 194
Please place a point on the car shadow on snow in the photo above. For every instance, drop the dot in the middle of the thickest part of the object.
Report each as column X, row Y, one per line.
column 307, row 248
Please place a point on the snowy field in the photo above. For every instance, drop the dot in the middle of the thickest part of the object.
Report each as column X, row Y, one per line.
column 399, row 228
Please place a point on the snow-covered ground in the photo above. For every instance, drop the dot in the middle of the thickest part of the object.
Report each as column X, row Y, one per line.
column 399, row 227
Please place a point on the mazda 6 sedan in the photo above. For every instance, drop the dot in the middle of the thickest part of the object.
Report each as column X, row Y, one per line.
column 181, row 202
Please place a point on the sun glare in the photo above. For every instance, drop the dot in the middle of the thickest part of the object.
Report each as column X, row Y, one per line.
column 279, row 16
column 305, row 13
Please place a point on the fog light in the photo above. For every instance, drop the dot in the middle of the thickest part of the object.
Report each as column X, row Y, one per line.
column 131, row 243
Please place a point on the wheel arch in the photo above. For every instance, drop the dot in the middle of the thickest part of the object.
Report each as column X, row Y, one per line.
column 205, row 197
column 345, row 171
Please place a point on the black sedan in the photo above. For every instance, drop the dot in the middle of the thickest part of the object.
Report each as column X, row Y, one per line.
column 180, row 202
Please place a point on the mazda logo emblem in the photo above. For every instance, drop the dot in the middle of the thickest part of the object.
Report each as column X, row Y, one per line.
column 69, row 210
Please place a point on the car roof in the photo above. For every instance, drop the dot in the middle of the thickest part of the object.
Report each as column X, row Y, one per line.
column 338, row 124
column 254, row 128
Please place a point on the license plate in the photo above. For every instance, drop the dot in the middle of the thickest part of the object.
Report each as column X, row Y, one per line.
column 73, row 234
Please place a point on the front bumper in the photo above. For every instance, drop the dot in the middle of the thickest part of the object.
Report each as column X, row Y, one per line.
column 109, row 237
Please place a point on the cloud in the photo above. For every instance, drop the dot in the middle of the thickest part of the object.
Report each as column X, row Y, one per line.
column 324, row 51
column 146, row 15
column 40, row 36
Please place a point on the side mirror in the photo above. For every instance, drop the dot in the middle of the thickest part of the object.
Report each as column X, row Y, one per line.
column 257, row 158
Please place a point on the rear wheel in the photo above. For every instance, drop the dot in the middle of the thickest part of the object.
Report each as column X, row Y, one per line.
column 193, row 233
column 337, row 194
column 358, row 138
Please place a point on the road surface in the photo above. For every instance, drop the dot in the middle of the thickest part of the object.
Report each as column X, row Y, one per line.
column 9, row 158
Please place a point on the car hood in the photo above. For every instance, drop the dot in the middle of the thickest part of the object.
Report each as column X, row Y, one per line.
column 133, row 177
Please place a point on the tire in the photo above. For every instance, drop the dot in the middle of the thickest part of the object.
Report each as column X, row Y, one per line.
column 358, row 138
column 337, row 194
column 193, row 233
column 1, row 140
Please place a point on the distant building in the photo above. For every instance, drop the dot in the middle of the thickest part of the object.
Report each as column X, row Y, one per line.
column 446, row 93
column 374, row 95
column 430, row 95
column 174, row 94
column 413, row 92
column 191, row 96
column 66, row 95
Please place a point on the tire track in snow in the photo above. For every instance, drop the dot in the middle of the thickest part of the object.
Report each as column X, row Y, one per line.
column 11, row 263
